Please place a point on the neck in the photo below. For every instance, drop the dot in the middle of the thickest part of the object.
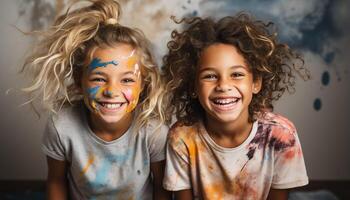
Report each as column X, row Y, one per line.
column 110, row 131
column 230, row 134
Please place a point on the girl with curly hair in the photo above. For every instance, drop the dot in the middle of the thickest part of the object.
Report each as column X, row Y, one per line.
column 105, row 138
column 222, row 78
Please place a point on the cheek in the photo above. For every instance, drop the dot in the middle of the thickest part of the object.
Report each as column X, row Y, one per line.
column 132, row 94
column 128, row 94
column 95, row 92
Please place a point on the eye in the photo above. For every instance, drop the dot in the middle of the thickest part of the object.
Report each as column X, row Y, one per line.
column 98, row 80
column 209, row 77
column 237, row 74
column 128, row 80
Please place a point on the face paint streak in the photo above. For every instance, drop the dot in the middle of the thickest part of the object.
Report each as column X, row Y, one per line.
column 131, row 62
column 108, row 93
column 133, row 104
column 128, row 95
column 94, row 93
column 96, row 62
column 88, row 164
column 132, row 96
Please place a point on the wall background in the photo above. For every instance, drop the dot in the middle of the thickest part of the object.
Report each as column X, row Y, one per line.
column 319, row 108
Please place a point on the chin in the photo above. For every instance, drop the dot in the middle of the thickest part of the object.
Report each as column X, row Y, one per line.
column 229, row 117
column 112, row 119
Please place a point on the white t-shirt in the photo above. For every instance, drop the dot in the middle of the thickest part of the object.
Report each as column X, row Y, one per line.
column 271, row 157
column 98, row 169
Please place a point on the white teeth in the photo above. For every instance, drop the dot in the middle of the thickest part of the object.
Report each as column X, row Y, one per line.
column 224, row 101
column 112, row 105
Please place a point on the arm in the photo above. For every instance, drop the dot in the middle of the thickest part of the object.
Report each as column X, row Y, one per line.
column 56, row 179
column 183, row 195
column 157, row 169
column 278, row 194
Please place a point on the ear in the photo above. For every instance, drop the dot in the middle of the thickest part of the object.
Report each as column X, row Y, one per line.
column 257, row 85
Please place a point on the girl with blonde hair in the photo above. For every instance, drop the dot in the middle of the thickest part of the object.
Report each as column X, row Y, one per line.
column 105, row 137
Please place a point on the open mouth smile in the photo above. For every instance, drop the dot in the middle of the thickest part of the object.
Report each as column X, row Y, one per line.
column 224, row 104
column 111, row 106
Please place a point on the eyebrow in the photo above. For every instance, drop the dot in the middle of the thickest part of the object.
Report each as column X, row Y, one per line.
column 231, row 67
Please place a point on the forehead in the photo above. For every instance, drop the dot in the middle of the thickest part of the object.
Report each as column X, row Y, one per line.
column 121, row 57
column 117, row 52
column 221, row 55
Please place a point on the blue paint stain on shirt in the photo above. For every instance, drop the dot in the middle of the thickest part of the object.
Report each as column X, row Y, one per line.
column 325, row 78
column 102, row 178
column 96, row 62
column 120, row 159
column 317, row 104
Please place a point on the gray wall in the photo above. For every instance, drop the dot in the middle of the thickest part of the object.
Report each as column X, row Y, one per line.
column 323, row 132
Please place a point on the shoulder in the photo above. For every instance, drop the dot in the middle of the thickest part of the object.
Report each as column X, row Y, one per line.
column 153, row 127
column 182, row 132
column 277, row 121
column 153, row 131
column 68, row 119
column 280, row 131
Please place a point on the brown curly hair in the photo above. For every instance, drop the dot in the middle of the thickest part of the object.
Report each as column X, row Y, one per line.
column 273, row 62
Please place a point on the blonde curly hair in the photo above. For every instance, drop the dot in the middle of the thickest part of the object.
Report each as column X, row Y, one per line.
column 56, row 64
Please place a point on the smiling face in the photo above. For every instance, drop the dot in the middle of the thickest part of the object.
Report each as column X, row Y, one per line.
column 224, row 84
column 111, row 83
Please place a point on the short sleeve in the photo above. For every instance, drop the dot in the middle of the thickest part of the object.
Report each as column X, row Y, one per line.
column 177, row 169
column 157, row 142
column 289, row 166
column 51, row 142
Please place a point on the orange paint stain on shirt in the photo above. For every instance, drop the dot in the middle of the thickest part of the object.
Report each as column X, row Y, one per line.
column 291, row 153
column 213, row 191
column 283, row 135
column 91, row 159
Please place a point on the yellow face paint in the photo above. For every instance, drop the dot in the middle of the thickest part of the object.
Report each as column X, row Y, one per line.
column 94, row 94
column 133, row 99
column 102, row 67
column 131, row 62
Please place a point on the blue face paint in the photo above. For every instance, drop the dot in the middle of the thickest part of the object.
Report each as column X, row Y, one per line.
column 96, row 62
column 109, row 93
column 93, row 91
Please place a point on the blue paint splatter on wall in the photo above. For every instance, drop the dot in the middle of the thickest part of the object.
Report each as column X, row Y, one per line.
column 317, row 104
column 329, row 57
column 325, row 78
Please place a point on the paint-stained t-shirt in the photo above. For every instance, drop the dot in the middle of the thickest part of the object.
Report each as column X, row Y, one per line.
column 271, row 157
column 98, row 169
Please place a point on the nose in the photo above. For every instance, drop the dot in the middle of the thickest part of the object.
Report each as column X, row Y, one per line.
column 223, row 85
column 111, row 91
